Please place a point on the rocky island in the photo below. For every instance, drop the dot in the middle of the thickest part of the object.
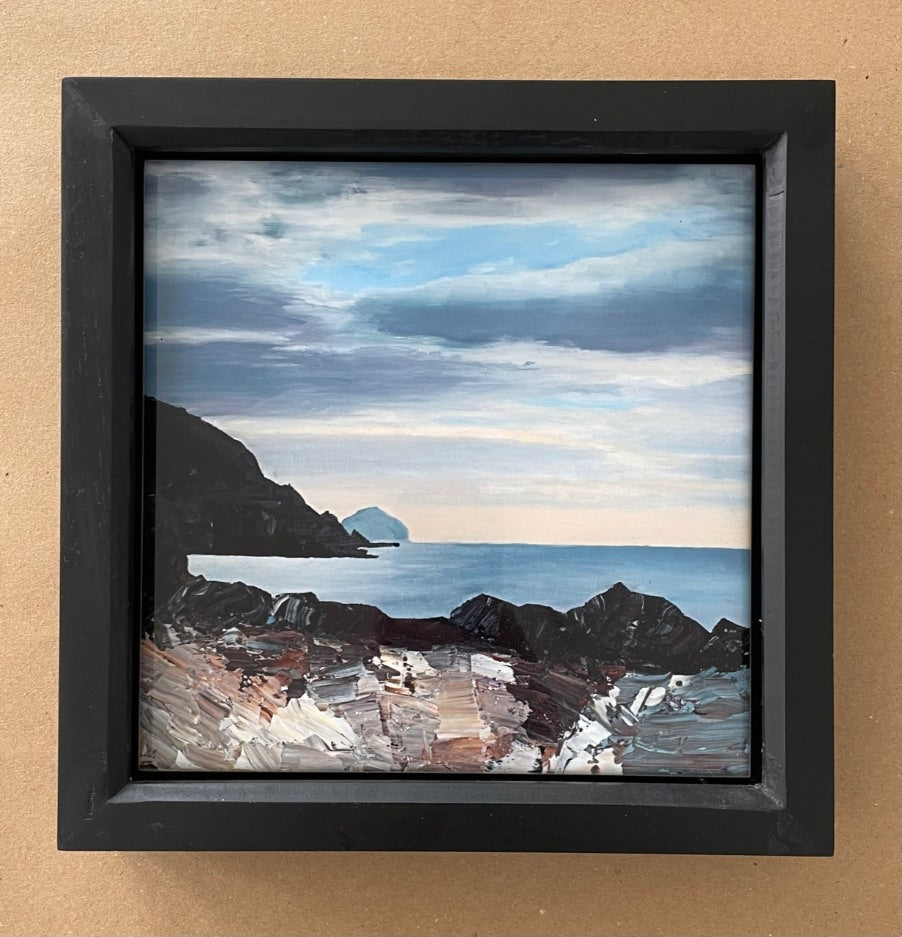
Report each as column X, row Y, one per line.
column 376, row 525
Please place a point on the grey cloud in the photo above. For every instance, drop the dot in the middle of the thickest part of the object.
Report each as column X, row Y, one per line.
column 274, row 228
column 718, row 318
column 221, row 301
column 173, row 185
column 310, row 182
column 220, row 379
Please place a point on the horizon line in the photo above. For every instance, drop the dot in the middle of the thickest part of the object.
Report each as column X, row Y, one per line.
column 525, row 543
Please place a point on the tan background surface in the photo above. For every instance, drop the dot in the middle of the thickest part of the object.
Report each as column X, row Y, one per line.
column 857, row 892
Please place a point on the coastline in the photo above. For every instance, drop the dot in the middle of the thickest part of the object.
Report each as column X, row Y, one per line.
column 425, row 579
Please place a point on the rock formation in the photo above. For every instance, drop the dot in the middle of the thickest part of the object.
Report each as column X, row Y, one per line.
column 206, row 494
column 376, row 525
column 618, row 627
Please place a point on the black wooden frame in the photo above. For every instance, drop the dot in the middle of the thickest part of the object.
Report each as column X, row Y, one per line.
column 110, row 125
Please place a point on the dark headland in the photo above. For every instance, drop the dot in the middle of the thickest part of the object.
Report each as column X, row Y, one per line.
column 206, row 494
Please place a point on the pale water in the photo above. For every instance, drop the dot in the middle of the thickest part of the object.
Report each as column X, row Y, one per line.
column 420, row 580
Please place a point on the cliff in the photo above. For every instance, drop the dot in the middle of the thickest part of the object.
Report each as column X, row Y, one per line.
column 207, row 494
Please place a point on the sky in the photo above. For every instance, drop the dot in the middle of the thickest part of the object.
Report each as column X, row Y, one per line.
column 533, row 352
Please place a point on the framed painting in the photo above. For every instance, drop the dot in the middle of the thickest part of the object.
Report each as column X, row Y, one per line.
column 447, row 465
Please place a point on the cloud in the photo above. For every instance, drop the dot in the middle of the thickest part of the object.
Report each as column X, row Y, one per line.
column 671, row 295
column 460, row 478
column 627, row 322
column 318, row 207
column 601, row 256
column 309, row 380
column 585, row 369
column 663, row 432
column 679, row 264
column 570, row 338
column 185, row 335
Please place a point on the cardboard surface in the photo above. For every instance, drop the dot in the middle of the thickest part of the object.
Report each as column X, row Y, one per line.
column 857, row 892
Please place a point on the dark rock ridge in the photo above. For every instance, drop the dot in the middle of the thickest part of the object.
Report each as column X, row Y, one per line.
column 727, row 644
column 617, row 627
column 644, row 632
column 639, row 630
column 214, row 607
column 208, row 495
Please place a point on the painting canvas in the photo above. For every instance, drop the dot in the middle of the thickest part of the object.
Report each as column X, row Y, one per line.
column 448, row 468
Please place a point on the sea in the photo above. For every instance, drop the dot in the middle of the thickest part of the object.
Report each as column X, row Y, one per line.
column 422, row 580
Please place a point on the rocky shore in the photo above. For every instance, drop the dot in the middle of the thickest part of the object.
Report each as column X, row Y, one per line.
column 236, row 679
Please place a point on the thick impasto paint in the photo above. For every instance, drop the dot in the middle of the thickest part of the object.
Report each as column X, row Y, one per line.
column 449, row 467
